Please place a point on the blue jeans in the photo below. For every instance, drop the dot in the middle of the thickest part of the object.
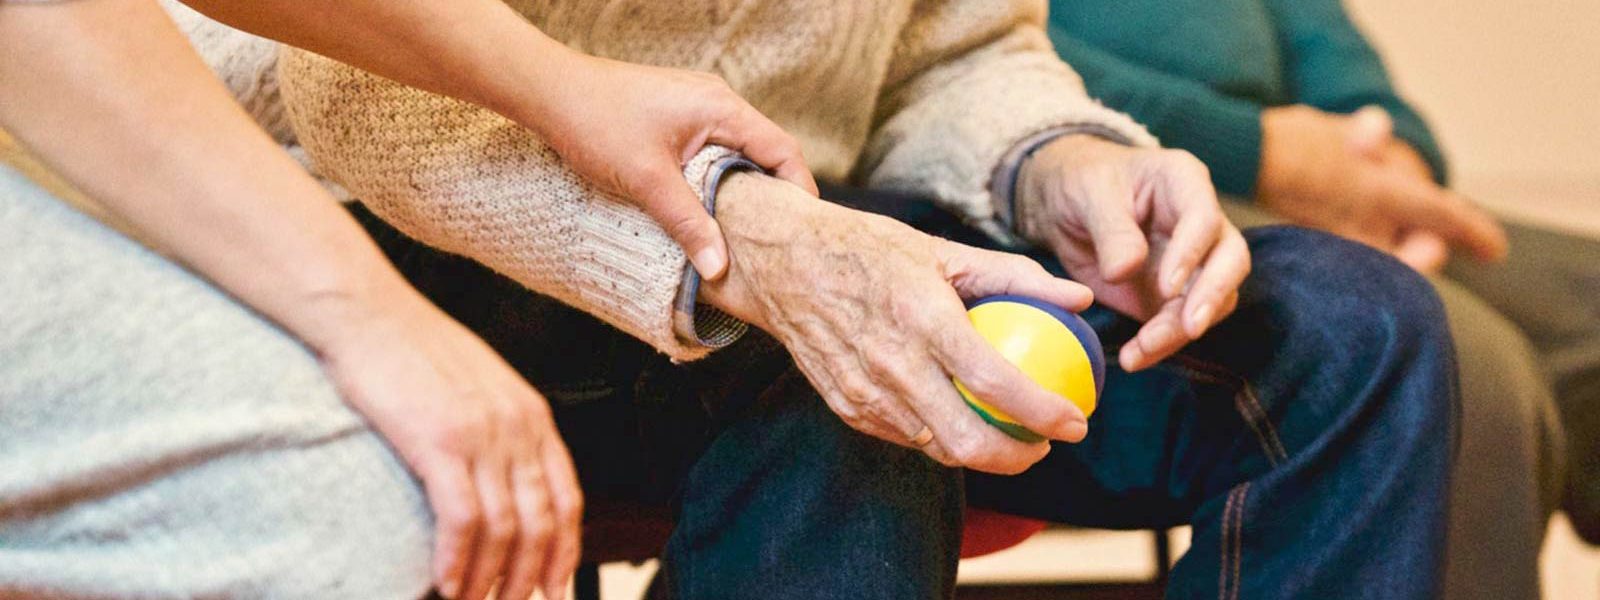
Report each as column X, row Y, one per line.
column 1307, row 439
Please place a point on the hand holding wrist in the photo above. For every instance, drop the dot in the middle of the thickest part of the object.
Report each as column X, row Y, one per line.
column 871, row 310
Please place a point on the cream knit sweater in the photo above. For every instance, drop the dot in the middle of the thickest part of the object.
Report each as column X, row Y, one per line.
column 920, row 96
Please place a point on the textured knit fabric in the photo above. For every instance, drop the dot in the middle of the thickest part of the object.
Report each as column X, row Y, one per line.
column 923, row 97
column 1198, row 73
column 158, row 440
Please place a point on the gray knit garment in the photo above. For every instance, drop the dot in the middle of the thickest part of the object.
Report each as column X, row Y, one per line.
column 158, row 440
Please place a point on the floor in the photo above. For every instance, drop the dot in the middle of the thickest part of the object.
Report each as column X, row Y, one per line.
column 1571, row 570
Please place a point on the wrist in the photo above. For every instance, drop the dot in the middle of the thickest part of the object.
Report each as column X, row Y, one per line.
column 1040, row 176
column 528, row 88
column 1279, row 169
column 329, row 313
column 766, row 222
column 740, row 197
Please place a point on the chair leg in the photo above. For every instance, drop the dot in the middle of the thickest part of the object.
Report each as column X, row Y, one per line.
column 586, row 582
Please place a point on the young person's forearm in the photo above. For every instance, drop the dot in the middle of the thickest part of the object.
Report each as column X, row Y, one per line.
column 108, row 94
column 480, row 51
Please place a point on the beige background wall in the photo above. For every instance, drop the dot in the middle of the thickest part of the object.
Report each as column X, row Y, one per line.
column 1513, row 89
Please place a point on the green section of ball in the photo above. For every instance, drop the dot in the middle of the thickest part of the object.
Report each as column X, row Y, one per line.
column 1014, row 430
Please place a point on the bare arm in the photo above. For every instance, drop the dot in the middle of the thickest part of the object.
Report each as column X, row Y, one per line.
column 107, row 93
column 626, row 128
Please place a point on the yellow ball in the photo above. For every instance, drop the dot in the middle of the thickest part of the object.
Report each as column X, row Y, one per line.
column 1053, row 347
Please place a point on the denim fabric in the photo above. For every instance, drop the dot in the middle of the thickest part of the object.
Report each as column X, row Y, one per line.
column 773, row 496
column 1308, row 439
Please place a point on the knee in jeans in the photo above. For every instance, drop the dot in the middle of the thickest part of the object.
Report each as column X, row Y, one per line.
column 1350, row 305
column 1337, row 284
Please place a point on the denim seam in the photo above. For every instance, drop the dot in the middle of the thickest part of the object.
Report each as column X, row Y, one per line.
column 1239, row 538
column 1248, row 393
column 1232, row 543
column 1245, row 403
column 1224, row 555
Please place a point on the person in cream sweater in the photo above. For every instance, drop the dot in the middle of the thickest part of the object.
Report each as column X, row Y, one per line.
column 1298, row 414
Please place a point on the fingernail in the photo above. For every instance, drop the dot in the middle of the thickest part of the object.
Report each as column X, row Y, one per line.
column 1200, row 318
column 1130, row 357
column 708, row 262
column 1076, row 430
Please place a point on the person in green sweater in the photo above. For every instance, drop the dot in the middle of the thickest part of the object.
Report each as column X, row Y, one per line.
column 1293, row 112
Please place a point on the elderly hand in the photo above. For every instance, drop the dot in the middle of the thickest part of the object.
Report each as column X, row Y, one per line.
column 872, row 312
column 1142, row 228
column 630, row 129
column 503, row 490
column 1348, row 174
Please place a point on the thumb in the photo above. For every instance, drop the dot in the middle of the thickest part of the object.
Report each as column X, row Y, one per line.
column 680, row 212
column 1368, row 129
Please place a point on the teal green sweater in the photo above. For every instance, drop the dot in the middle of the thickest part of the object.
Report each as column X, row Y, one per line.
column 1199, row 72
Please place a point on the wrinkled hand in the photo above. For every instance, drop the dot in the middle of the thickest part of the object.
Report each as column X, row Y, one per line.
column 498, row 478
column 1349, row 175
column 630, row 128
column 1143, row 229
column 872, row 312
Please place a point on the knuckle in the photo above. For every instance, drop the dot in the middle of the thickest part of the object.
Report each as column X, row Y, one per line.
column 858, row 389
column 1187, row 165
column 984, row 383
column 880, row 360
column 455, row 432
column 539, row 532
column 1057, row 419
column 682, row 224
column 967, row 450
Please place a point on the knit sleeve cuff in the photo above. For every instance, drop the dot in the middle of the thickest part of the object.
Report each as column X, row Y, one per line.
column 1003, row 186
column 696, row 323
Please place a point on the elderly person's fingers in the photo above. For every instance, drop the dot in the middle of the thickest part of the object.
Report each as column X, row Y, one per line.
column 970, row 359
column 1224, row 271
column 1120, row 245
column 959, row 431
column 1160, row 337
column 1188, row 215
column 975, row 273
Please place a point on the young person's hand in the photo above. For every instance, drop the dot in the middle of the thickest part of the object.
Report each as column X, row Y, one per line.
column 1143, row 229
column 627, row 128
column 630, row 129
column 872, row 312
column 504, row 494
column 179, row 165
column 1348, row 174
